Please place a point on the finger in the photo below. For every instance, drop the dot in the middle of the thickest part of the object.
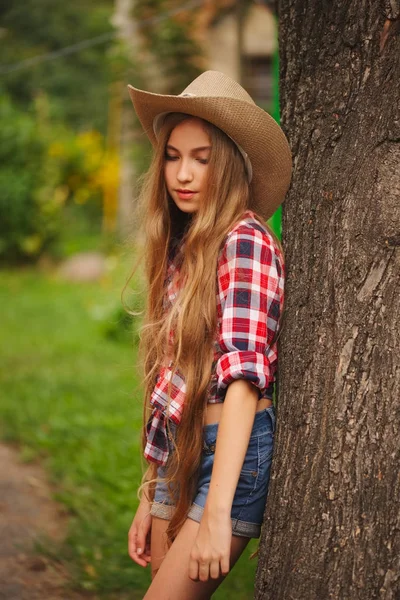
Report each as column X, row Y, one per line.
column 139, row 560
column 133, row 550
column 147, row 550
column 225, row 565
column 146, row 554
column 147, row 557
column 214, row 569
column 194, row 569
column 204, row 571
column 132, row 536
column 141, row 542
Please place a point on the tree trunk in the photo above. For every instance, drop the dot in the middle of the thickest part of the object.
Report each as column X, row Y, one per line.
column 124, row 21
column 332, row 525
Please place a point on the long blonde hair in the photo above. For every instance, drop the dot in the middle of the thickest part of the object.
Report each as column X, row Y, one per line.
column 193, row 316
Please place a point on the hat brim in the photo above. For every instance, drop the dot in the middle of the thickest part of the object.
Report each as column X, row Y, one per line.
column 246, row 123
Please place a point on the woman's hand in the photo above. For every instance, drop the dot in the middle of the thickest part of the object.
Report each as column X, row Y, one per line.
column 210, row 555
column 139, row 534
column 211, row 550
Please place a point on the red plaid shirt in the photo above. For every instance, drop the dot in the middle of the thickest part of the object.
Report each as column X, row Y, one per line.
column 249, row 300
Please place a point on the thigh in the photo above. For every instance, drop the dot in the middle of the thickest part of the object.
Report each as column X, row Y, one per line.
column 159, row 547
column 173, row 582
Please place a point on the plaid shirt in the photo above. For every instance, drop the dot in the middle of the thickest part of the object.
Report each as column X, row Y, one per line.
column 250, row 294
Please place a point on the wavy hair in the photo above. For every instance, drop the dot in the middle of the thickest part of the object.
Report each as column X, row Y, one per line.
column 193, row 316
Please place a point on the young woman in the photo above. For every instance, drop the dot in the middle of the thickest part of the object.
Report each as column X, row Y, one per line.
column 215, row 272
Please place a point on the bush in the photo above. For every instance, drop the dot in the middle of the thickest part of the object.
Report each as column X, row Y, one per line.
column 29, row 214
column 46, row 167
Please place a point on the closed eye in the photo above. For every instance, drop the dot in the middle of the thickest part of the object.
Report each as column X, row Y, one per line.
column 203, row 161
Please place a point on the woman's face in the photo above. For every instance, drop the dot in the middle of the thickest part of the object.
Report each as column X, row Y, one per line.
column 186, row 164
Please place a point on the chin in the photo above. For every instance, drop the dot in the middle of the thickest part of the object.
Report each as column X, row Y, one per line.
column 187, row 209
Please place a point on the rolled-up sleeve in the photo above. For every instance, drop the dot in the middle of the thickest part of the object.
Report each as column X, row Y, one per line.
column 250, row 287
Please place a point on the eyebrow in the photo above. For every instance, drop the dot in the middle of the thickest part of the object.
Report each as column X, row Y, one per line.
column 193, row 149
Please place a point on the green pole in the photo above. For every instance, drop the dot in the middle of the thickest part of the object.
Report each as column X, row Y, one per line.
column 276, row 220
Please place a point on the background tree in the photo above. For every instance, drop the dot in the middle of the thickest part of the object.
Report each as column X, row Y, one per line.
column 55, row 167
column 332, row 522
column 77, row 83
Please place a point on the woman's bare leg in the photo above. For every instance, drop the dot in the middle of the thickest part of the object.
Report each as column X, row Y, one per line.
column 159, row 547
column 173, row 581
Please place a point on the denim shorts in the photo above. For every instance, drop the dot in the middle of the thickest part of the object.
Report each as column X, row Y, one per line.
column 252, row 488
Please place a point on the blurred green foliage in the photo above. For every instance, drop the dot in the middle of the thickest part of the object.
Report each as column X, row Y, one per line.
column 77, row 84
column 53, row 121
column 44, row 166
column 55, row 114
column 116, row 324
column 29, row 216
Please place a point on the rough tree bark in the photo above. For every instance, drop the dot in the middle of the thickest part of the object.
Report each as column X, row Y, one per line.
column 332, row 524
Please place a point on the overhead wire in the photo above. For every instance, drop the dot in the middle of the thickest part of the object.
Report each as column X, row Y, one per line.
column 90, row 42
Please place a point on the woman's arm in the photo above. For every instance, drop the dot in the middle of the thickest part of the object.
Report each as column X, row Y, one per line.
column 139, row 535
column 211, row 551
column 250, row 292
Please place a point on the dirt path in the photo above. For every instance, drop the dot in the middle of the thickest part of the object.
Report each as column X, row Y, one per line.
column 27, row 511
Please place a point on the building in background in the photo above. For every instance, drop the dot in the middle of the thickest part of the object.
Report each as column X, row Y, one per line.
column 249, row 59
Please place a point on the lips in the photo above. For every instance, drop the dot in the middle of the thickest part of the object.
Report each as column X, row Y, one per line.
column 185, row 194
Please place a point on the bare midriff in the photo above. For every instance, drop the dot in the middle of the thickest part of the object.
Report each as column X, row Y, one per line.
column 213, row 411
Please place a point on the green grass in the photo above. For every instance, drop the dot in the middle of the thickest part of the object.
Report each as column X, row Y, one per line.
column 71, row 396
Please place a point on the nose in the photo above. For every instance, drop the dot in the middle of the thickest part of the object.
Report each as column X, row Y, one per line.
column 184, row 172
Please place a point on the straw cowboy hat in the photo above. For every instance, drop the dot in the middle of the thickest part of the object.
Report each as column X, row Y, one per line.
column 220, row 100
